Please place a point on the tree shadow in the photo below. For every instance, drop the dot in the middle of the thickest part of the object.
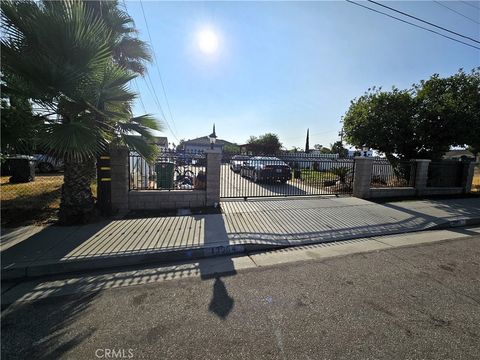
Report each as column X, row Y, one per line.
column 30, row 209
column 45, row 326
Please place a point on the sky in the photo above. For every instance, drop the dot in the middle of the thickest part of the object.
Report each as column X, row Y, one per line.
column 283, row 67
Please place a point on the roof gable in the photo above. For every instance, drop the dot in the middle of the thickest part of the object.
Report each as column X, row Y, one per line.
column 204, row 140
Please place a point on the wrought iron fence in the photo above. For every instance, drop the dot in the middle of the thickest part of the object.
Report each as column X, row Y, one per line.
column 285, row 175
column 386, row 174
column 446, row 173
column 172, row 170
column 476, row 179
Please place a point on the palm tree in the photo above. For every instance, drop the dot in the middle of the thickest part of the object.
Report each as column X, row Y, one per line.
column 61, row 55
column 128, row 51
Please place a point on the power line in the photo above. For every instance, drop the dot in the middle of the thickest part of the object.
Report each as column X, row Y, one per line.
column 457, row 12
column 303, row 136
column 424, row 21
column 158, row 68
column 154, row 94
column 152, row 91
column 465, row 2
column 410, row 23
column 140, row 96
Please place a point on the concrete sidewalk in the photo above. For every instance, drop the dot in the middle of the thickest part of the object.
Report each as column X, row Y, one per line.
column 243, row 226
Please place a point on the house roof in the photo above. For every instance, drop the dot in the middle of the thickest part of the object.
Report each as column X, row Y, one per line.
column 204, row 140
column 459, row 152
column 161, row 140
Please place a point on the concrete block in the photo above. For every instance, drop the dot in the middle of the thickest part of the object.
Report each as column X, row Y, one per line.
column 182, row 204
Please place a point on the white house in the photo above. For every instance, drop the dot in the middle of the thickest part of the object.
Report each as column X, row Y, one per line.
column 364, row 152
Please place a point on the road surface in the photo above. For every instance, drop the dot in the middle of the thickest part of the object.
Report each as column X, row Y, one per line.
column 414, row 302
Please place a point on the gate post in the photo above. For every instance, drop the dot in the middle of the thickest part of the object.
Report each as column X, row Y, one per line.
column 214, row 158
column 468, row 176
column 119, row 172
column 362, row 177
column 421, row 175
column 104, row 184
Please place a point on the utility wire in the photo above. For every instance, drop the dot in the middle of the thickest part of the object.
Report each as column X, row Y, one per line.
column 151, row 88
column 156, row 65
column 152, row 92
column 410, row 23
column 457, row 12
column 140, row 96
column 303, row 136
column 424, row 21
column 465, row 2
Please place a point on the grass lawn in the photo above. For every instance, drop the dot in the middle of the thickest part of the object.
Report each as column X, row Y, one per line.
column 313, row 177
column 36, row 202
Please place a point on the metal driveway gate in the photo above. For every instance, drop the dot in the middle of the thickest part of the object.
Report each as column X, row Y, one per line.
column 286, row 174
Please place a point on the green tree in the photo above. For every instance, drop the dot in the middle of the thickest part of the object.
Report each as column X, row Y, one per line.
column 337, row 148
column 61, row 56
column 128, row 51
column 231, row 149
column 307, row 142
column 181, row 145
column 265, row 144
column 424, row 121
column 20, row 128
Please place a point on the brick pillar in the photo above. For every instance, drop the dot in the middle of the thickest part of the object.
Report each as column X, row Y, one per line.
column 119, row 172
column 362, row 177
column 421, row 175
column 214, row 158
column 468, row 177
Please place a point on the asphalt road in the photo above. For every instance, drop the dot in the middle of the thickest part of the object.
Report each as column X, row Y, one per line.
column 420, row 302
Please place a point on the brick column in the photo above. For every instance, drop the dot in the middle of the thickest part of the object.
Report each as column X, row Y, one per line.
column 421, row 175
column 468, row 177
column 362, row 177
column 119, row 172
column 214, row 158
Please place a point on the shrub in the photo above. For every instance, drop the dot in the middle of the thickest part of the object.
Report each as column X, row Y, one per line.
column 342, row 173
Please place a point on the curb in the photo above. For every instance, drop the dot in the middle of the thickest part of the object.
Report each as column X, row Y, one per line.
column 175, row 255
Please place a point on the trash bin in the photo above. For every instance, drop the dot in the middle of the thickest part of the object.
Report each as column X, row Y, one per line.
column 200, row 181
column 165, row 171
column 22, row 168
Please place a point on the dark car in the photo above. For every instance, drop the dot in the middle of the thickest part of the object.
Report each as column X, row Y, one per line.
column 47, row 164
column 236, row 162
column 266, row 169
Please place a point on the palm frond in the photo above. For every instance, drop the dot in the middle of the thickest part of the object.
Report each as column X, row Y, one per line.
column 73, row 141
column 145, row 149
column 148, row 121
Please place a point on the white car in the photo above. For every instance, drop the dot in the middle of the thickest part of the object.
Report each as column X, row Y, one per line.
column 237, row 162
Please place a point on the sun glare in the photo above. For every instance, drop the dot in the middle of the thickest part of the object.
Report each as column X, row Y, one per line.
column 207, row 41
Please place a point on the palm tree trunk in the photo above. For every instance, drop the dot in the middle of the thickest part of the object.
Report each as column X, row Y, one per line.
column 77, row 205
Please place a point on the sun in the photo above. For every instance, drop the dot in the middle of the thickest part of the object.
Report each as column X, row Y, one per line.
column 207, row 41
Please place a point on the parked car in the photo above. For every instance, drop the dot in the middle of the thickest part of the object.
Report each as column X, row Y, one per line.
column 268, row 169
column 237, row 161
column 47, row 164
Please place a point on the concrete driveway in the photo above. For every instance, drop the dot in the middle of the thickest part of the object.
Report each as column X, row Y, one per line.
column 233, row 185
